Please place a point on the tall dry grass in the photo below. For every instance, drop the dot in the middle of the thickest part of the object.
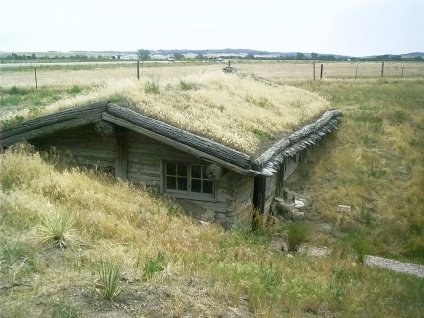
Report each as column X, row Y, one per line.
column 374, row 162
column 163, row 254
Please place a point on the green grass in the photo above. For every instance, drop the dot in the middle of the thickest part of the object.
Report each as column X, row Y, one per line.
column 372, row 162
column 10, row 100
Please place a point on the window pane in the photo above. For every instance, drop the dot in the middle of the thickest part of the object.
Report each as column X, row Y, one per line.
column 207, row 186
column 182, row 184
column 182, row 169
column 205, row 176
column 171, row 183
column 196, row 185
column 196, row 171
column 171, row 168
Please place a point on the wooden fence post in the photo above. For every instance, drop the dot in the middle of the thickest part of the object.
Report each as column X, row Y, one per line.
column 382, row 69
column 314, row 69
column 401, row 75
column 356, row 73
column 138, row 69
column 322, row 70
column 35, row 74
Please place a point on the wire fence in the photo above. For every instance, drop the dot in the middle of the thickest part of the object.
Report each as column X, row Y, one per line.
column 65, row 74
column 321, row 70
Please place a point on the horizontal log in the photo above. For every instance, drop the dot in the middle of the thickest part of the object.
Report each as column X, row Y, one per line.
column 49, row 129
column 308, row 129
column 271, row 156
column 55, row 118
column 271, row 152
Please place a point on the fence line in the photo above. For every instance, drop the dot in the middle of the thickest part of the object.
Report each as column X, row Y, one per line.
column 89, row 73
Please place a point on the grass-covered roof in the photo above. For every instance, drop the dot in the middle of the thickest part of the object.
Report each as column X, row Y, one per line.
column 241, row 111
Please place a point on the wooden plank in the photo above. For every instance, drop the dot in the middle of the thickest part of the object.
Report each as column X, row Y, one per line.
column 146, row 179
column 178, row 136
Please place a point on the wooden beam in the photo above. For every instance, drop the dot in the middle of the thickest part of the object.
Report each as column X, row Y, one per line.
column 294, row 138
column 121, row 159
column 51, row 123
column 49, row 129
column 259, row 198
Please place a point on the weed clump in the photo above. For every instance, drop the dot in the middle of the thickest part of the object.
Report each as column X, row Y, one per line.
column 109, row 285
column 151, row 87
column 297, row 233
column 75, row 90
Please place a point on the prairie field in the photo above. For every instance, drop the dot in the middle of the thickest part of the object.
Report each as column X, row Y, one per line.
column 89, row 73
column 78, row 243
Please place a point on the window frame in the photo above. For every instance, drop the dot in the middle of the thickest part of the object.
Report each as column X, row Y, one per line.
column 188, row 194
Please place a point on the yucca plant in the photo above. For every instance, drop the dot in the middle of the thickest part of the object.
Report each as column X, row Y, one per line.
column 56, row 230
column 109, row 285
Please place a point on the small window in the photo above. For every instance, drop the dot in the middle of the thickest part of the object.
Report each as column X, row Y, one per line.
column 176, row 176
column 200, row 183
column 187, row 177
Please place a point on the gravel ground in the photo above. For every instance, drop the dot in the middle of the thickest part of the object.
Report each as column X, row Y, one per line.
column 413, row 269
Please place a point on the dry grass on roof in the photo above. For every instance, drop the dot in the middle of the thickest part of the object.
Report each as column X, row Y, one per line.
column 240, row 111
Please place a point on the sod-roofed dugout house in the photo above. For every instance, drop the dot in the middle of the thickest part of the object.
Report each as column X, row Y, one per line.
column 235, row 161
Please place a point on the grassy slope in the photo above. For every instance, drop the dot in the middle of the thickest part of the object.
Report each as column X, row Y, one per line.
column 375, row 162
column 376, row 168
column 205, row 271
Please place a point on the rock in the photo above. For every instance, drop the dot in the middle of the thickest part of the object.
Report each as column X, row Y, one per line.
column 296, row 215
column 299, row 204
column 209, row 216
column 285, row 207
column 278, row 199
column 288, row 195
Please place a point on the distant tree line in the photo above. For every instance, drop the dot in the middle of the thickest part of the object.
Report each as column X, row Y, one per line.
column 326, row 57
column 144, row 55
column 34, row 57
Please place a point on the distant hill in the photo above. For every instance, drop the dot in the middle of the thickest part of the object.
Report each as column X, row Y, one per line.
column 413, row 54
column 257, row 53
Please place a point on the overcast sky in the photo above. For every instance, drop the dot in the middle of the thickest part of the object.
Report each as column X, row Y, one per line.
column 347, row 27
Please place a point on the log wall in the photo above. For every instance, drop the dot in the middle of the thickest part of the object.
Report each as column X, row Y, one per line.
column 243, row 200
column 83, row 146
column 145, row 165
